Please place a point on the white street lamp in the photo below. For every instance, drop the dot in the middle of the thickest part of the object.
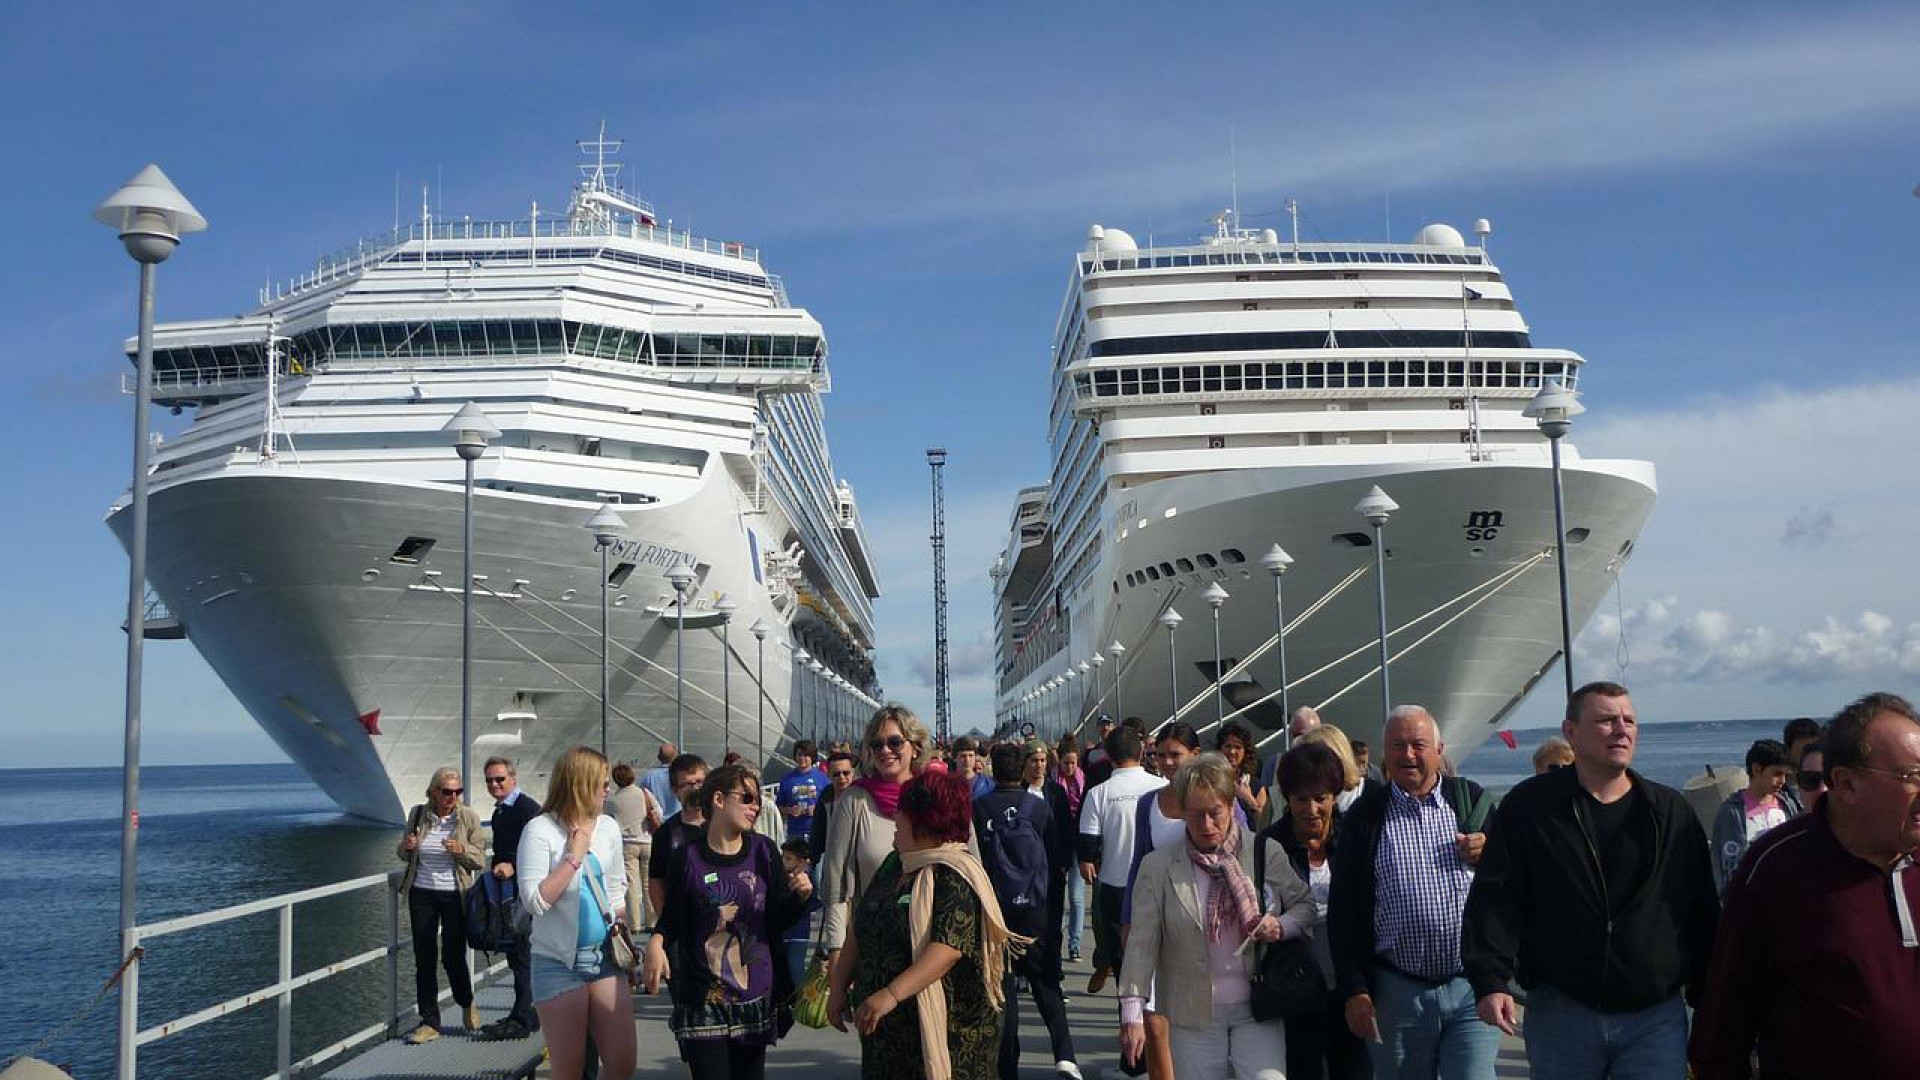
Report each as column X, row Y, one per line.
column 606, row 526
column 726, row 607
column 1117, row 650
column 150, row 215
column 681, row 577
column 1376, row 508
column 1216, row 596
column 759, row 630
column 803, row 719
column 1554, row 408
column 1277, row 561
column 1171, row 620
column 472, row 432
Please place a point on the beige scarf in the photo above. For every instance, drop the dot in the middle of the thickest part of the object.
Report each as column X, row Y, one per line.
column 997, row 943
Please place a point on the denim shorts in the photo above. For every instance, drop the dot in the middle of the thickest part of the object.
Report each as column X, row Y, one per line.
column 551, row 978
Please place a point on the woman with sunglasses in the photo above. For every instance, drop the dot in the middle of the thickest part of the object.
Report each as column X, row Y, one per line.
column 573, row 854
column 860, row 831
column 729, row 899
column 443, row 848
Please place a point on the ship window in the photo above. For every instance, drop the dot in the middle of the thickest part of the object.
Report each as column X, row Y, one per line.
column 1153, row 574
column 411, row 550
column 620, row 574
column 1166, row 569
column 1186, row 565
column 1129, row 579
column 1233, row 555
column 1578, row 536
column 1353, row 539
column 1207, row 560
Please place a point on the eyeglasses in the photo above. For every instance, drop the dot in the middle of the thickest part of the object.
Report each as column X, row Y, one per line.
column 1907, row 777
column 492, row 780
column 453, row 792
column 1811, row 781
column 893, row 743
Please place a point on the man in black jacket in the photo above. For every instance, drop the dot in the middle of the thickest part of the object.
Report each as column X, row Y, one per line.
column 1596, row 892
column 512, row 809
column 1407, row 853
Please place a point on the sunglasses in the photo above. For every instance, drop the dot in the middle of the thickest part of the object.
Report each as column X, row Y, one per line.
column 492, row 780
column 451, row 792
column 893, row 743
column 1811, row 781
column 841, row 774
column 747, row 798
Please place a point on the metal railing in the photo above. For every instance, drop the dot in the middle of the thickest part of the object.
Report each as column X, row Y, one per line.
column 280, row 991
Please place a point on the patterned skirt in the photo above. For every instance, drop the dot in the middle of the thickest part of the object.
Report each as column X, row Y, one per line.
column 759, row 1022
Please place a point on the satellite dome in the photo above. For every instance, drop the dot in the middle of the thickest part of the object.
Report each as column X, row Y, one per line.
column 1440, row 235
column 1268, row 236
column 1118, row 240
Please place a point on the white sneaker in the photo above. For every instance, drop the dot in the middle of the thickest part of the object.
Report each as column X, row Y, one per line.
column 1067, row 1069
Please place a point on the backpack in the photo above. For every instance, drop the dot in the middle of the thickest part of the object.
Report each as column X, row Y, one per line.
column 493, row 915
column 1015, row 858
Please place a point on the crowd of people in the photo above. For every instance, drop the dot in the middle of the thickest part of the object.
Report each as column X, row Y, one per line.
column 1314, row 914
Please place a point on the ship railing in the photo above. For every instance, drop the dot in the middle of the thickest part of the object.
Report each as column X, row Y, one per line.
column 281, row 991
column 353, row 258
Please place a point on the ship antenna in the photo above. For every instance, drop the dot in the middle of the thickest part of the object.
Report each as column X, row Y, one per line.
column 1233, row 175
column 1293, row 212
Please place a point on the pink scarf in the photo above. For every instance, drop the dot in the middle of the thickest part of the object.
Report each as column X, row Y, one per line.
column 885, row 793
column 1230, row 899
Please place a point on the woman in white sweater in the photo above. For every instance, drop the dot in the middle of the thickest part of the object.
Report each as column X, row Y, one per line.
column 574, row 885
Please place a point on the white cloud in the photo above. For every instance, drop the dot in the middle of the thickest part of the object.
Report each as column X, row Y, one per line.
column 1709, row 645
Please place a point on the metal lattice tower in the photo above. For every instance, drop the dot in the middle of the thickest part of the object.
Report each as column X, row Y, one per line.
column 942, row 722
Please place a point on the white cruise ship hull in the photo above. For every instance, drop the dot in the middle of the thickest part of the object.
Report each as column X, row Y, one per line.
column 284, row 580
column 1473, row 606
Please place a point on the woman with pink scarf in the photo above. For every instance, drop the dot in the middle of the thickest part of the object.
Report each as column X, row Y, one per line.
column 1195, row 915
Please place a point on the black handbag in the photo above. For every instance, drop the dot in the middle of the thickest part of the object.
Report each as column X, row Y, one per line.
column 1287, row 982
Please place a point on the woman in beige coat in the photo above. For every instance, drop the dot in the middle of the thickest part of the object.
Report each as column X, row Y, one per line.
column 1195, row 916
column 443, row 848
column 860, row 830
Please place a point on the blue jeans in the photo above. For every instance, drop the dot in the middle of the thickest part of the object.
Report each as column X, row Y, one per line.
column 1076, row 907
column 1567, row 1040
column 1430, row 1030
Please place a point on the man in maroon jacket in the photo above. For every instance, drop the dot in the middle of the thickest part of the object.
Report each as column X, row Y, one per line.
column 1817, row 961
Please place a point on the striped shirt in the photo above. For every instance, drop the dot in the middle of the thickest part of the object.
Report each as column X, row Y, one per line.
column 436, row 862
column 1421, row 886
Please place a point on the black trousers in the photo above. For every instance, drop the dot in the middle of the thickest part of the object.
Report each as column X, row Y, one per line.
column 439, row 918
column 724, row 1059
column 1040, row 966
column 1107, row 900
column 1322, row 1048
column 520, row 962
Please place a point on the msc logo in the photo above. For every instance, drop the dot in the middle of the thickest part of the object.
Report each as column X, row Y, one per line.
column 1484, row 524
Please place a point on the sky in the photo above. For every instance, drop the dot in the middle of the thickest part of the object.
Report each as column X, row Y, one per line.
column 1714, row 207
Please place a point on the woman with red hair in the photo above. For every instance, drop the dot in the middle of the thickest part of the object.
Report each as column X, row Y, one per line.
column 929, row 947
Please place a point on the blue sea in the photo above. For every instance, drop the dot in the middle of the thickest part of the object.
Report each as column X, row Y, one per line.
column 214, row 836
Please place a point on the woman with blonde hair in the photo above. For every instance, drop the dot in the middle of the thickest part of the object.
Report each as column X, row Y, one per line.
column 860, row 832
column 1195, row 911
column 572, row 855
column 443, row 849
column 1353, row 782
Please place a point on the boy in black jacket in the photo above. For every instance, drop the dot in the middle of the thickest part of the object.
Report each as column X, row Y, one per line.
column 1596, row 892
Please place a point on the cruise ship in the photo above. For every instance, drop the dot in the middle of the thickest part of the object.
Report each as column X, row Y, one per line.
column 306, row 525
column 1214, row 399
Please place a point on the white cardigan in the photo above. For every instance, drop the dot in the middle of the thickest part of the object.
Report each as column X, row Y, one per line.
column 556, row 926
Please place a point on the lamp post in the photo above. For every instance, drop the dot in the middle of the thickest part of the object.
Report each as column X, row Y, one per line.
column 804, row 719
column 1376, row 507
column 1099, row 661
column 472, row 432
column 1117, row 650
column 681, row 577
column 1554, row 408
column 1216, row 596
column 606, row 526
column 1093, row 685
column 150, row 215
column 759, row 631
column 819, row 692
column 1171, row 620
column 726, row 607
column 1276, row 561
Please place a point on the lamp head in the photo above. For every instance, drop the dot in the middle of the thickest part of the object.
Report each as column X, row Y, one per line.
column 726, row 607
column 471, row 431
column 801, row 656
column 759, row 629
column 1553, row 408
column 1376, row 507
column 1085, row 667
column 1097, row 659
column 1214, row 596
column 1116, row 650
column 606, row 524
column 1276, row 560
column 681, row 577
column 150, row 214
column 1170, row 619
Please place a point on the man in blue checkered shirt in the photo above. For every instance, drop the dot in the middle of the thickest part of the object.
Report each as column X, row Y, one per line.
column 1394, row 912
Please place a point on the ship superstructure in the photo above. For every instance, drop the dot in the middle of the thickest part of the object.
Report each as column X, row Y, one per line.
column 306, row 526
column 1213, row 399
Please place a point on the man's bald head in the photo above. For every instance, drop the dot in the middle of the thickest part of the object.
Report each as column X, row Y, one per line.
column 1305, row 719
